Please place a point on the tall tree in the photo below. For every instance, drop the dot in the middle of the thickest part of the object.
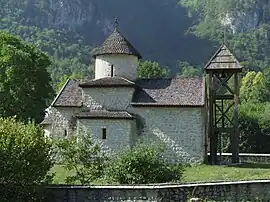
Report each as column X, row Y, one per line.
column 187, row 70
column 25, row 86
column 253, row 88
column 151, row 69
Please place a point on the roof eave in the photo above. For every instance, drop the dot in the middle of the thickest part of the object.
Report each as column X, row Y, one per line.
column 105, row 117
column 106, row 85
column 99, row 54
column 68, row 106
column 60, row 92
column 208, row 70
column 167, row 105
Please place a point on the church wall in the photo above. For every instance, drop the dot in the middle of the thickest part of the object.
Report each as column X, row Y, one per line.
column 124, row 66
column 108, row 98
column 182, row 130
column 118, row 133
column 63, row 120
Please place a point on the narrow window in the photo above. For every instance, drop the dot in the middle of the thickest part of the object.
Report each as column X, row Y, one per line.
column 65, row 133
column 104, row 133
column 111, row 70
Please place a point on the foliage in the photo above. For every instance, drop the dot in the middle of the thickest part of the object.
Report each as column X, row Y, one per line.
column 70, row 53
column 142, row 165
column 187, row 70
column 253, row 88
column 64, row 79
column 24, row 81
column 149, row 69
column 234, row 22
column 254, row 123
column 80, row 154
column 25, row 159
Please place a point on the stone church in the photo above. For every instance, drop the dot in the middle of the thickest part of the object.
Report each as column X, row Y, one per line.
column 120, row 110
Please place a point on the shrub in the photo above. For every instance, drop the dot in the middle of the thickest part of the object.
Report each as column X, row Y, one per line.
column 142, row 165
column 25, row 159
column 81, row 155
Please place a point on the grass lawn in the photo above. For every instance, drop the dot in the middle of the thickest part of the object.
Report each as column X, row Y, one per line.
column 203, row 173
column 208, row 173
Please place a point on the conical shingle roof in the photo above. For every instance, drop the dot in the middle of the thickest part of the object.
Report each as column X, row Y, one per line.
column 116, row 43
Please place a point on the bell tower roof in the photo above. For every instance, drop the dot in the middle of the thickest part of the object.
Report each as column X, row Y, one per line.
column 223, row 60
column 116, row 43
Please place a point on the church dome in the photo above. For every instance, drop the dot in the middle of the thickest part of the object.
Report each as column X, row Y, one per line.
column 116, row 43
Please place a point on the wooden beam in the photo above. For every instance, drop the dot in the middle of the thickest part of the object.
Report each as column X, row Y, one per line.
column 211, row 134
column 224, row 130
column 235, row 135
column 224, row 114
column 223, row 97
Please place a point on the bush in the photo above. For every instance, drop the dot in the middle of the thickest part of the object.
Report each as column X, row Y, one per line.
column 142, row 165
column 25, row 159
column 81, row 155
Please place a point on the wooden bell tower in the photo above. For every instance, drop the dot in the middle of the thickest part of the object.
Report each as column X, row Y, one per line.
column 223, row 95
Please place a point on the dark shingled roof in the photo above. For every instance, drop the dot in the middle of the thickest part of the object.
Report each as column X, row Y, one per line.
column 170, row 92
column 93, row 114
column 154, row 92
column 47, row 120
column 108, row 82
column 223, row 59
column 116, row 43
column 69, row 96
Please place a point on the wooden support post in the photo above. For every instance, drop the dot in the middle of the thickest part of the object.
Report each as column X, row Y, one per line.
column 235, row 133
column 211, row 132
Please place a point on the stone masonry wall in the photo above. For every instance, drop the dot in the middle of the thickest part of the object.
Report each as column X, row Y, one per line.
column 118, row 133
column 63, row 120
column 180, row 129
column 246, row 158
column 108, row 98
column 226, row 191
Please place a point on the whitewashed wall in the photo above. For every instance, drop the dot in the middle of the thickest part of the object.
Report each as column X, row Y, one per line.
column 124, row 66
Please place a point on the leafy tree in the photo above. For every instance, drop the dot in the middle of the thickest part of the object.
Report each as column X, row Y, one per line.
column 187, row 70
column 81, row 155
column 64, row 78
column 253, row 87
column 254, row 119
column 142, row 165
column 149, row 69
column 25, row 159
column 24, row 81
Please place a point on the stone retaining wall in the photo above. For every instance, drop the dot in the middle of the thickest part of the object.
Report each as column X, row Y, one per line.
column 246, row 158
column 226, row 191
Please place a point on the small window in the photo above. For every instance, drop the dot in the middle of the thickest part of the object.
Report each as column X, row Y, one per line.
column 104, row 133
column 65, row 133
column 112, row 70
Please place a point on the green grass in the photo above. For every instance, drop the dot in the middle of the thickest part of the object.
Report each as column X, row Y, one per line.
column 60, row 174
column 203, row 173
column 208, row 173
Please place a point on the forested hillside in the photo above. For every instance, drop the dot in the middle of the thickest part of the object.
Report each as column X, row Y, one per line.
column 69, row 30
column 244, row 26
column 162, row 31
